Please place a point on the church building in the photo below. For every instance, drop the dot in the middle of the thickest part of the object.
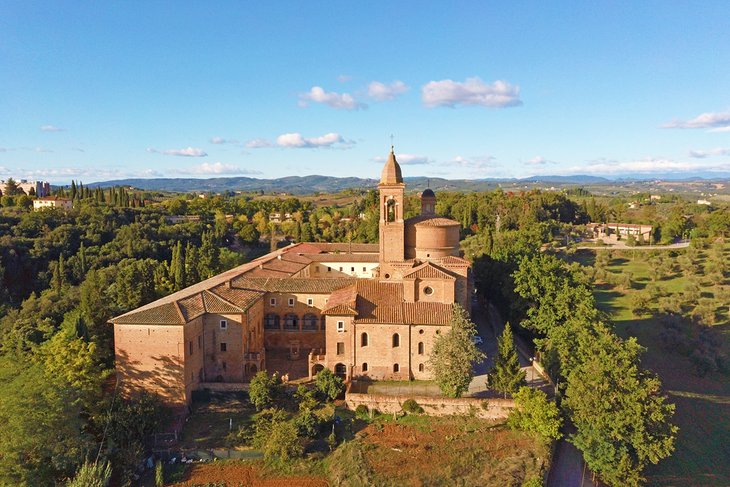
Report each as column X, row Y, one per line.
column 361, row 310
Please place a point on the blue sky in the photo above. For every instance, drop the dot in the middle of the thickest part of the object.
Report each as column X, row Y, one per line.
column 104, row 90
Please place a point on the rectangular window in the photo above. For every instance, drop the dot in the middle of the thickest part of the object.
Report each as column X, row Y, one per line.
column 310, row 302
column 200, row 342
column 340, row 326
column 292, row 301
column 224, row 324
column 352, row 269
column 364, row 269
column 316, row 269
column 340, row 269
column 329, row 269
column 340, row 348
column 190, row 347
column 272, row 301
column 224, row 346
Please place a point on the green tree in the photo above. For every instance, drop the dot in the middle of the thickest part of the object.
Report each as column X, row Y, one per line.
column 328, row 384
column 506, row 376
column 177, row 266
column 535, row 413
column 454, row 355
column 264, row 389
column 95, row 474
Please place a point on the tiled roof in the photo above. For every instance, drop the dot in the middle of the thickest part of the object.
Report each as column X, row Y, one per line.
column 192, row 306
column 428, row 270
column 427, row 313
column 379, row 302
column 164, row 314
column 431, row 221
column 345, row 247
column 216, row 304
column 292, row 285
column 342, row 302
column 453, row 261
column 242, row 298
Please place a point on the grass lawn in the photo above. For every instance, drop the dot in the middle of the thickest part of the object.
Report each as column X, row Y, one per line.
column 397, row 388
column 703, row 403
column 211, row 420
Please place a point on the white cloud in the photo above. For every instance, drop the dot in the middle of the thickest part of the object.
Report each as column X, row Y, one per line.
column 221, row 140
column 296, row 140
column 717, row 122
column 340, row 101
column 386, row 91
column 218, row 168
column 471, row 92
column 539, row 161
column 646, row 166
column 51, row 128
column 258, row 144
column 701, row 154
column 187, row 152
column 41, row 149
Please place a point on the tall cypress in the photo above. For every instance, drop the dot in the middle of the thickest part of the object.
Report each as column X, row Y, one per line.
column 178, row 266
column 506, row 376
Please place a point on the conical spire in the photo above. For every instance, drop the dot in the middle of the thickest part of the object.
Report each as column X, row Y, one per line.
column 391, row 172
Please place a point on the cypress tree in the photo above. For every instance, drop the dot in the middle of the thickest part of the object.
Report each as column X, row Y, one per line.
column 506, row 376
column 192, row 264
column 58, row 275
column 82, row 259
column 73, row 190
column 178, row 266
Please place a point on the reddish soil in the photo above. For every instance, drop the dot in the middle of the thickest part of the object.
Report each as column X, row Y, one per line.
column 241, row 474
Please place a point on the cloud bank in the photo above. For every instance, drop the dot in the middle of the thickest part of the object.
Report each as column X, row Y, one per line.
column 339, row 101
column 714, row 121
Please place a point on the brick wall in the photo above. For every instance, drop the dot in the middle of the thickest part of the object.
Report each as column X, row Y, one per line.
column 493, row 408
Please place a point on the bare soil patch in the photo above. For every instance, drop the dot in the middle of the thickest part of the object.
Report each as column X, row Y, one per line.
column 235, row 474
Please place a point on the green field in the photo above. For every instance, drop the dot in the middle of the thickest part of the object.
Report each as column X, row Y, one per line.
column 703, row 403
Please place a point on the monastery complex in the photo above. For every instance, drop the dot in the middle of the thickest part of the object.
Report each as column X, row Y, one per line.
column 361, row 310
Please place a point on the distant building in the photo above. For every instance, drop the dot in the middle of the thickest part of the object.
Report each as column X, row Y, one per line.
column 616, row 231
column 655, row 197
column 704, row 202
column 40, row 188
column 47, row 202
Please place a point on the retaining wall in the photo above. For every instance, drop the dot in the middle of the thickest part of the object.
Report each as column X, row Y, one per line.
column 491, row 408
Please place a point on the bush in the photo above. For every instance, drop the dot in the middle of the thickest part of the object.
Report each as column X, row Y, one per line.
column 362, row 411
column 264, row 390
column 307, row 423
column 411, row 407
column 276, row 437
column 306, row 397
column 328, row 384
column 535, row 414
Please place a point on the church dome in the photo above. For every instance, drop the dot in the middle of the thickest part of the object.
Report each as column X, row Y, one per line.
column 391, row 172
column 428, row 193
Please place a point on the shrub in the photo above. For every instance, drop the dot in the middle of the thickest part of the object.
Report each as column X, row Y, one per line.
column 307, row 423
column 328, row 384
column 92, row 475
column 276, row 437
column 362, row 411
column 535, row 414
column 306, row 397
column 264, row 389
column 412, row 407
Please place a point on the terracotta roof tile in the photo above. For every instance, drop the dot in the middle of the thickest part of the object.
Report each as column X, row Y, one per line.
column 431, row 221
column 379, row 302
column 192, row 306
column 216, row 304
column 164, row 314
column 342, row 301
column 427, row 313
column 428, row 270
column 344, row 258
column 293, row 285
column 242, row 298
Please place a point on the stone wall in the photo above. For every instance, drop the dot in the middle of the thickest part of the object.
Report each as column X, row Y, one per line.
column 485, row 408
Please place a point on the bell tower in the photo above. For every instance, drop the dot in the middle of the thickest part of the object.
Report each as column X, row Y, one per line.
column 392, row 226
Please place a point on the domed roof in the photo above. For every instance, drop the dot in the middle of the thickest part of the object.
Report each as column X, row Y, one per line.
column 391, row 172
column 428, row 193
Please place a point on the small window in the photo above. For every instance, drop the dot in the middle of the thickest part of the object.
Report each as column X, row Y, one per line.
column 420, row 348
column 200, row 342
column 387, row 276
column 329, row 269
column 364, row 340
column 340, row 348
column 396, row 368
column 352, row 269
column 292, row 301
column 272, row 301
column 224, row 347
column 421, row 368
column 420, row 332
column 310, row 302
column 224, row 324
column 365, row 367
column 396, row 340
column 316, row 269
column 190, row 347
column 428, row 290
column 340, row 326
column 340, row 269
column 364, row 269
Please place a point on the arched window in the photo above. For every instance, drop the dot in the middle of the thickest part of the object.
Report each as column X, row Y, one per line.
column 420, row 348
column 341, row 370
column 271, row 322
column 396, row 368
column 291, row 322
column 396, row 340
column 390, row 210
column 364, row 340
column 365, row 367
column 309, row 322
column 421, row 368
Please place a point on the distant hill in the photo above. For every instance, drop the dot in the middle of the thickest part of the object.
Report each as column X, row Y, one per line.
column 301, row 185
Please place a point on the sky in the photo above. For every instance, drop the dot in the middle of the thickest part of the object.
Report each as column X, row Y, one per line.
column 95, row 91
